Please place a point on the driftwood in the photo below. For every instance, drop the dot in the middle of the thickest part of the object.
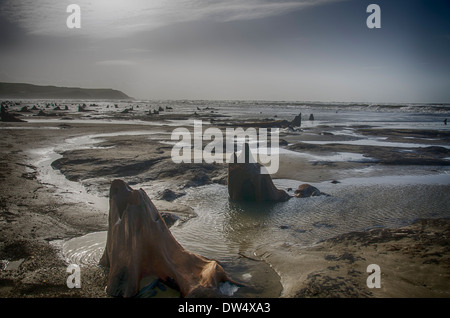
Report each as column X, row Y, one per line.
column 139, row 244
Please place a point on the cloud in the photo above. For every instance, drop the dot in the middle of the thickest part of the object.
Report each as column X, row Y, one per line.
column 121, row 18
column 115, row 63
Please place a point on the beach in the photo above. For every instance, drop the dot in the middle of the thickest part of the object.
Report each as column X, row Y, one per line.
column 383, row 169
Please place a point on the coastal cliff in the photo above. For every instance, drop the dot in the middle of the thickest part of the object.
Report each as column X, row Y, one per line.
column 29, row 91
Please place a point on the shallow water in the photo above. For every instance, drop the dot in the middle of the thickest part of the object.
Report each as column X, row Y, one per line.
column 69, row 191
column 85, row 250
column 225, row 228
column 231, row 231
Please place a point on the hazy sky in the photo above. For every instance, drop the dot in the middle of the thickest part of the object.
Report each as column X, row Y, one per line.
column 307, row 50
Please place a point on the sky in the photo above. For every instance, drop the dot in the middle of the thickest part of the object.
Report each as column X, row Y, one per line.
column 299, row 50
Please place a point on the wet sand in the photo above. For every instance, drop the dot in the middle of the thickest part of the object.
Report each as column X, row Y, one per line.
column 36, row 215
column 414, row 261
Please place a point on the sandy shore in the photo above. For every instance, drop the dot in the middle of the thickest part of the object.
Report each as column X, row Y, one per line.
column 35, row 215
column 414, row 261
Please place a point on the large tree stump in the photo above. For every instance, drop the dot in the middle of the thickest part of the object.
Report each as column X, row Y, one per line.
column 246, row 183
column 139, row 244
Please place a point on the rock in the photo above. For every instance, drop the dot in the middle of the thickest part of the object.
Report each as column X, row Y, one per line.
column 220, row 179
column 139, row 245
column 311, row 117
column 306, row 190
column 283, row 142
column 246, row 183
column 169, row 195
column 64, row 126
column 198, row 178
column 169, row 218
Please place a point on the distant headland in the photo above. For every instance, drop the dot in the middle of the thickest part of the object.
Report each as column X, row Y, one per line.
column 30, row 91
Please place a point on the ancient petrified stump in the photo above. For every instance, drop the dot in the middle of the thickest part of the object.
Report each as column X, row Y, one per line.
column 139, row 244
column 246, row 183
